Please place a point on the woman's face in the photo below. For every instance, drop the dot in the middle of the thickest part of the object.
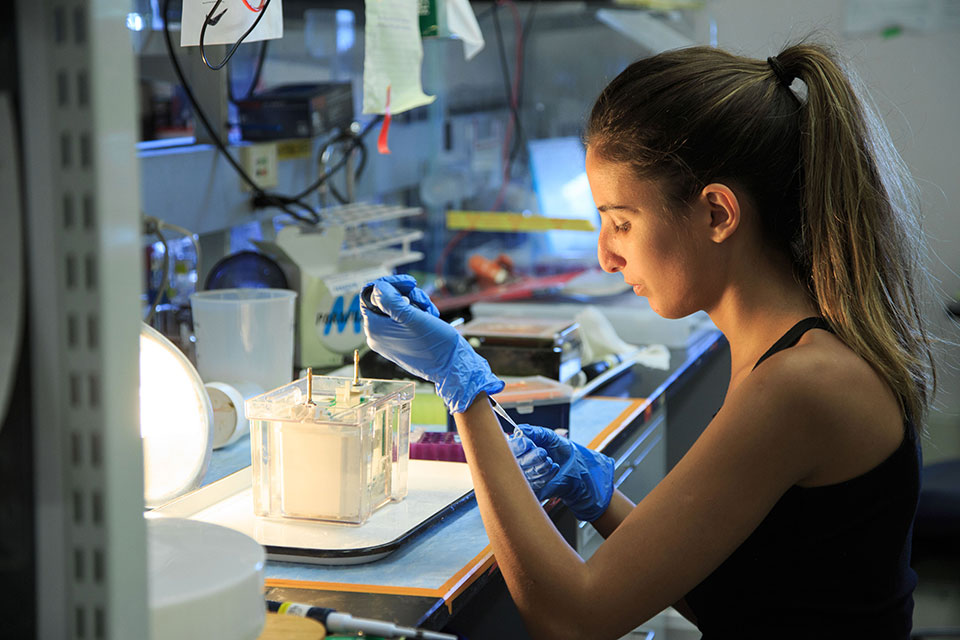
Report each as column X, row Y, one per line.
column 652, row 247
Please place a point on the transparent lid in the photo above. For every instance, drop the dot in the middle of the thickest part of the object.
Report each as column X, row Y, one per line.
column 535, row 390
column 515, row 327
column 287, row 403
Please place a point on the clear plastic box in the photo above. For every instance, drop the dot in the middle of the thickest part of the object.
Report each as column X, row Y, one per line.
column 535, row 400
column 337, row 460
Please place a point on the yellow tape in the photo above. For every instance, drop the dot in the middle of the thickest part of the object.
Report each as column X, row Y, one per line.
column 517, row 222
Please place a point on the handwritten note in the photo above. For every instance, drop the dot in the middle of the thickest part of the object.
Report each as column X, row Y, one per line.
column 393, row 57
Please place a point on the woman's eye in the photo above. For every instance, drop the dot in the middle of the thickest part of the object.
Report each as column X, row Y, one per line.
column 620, row 228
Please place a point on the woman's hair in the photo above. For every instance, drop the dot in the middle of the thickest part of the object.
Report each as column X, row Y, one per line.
column 820, row 169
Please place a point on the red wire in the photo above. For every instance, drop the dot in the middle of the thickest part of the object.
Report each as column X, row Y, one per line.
column 505, row 152
column 514, row 90
column 258, row 9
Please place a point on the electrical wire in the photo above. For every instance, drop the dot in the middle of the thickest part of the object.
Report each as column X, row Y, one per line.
column 209, row 19
column 343, row 161
column 326, row 151
column 261, row 57
column 512, row 90
column 261, row 198
column 525, row 35
column 511, row 87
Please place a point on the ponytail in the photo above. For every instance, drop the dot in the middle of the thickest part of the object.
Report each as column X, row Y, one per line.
column 821, row 170
column 861, row 236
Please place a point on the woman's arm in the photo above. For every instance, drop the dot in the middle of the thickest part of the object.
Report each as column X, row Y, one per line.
column 619, row 508
column 758, row 446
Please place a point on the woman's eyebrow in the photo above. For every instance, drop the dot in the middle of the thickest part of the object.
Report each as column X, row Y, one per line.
column 615, row 207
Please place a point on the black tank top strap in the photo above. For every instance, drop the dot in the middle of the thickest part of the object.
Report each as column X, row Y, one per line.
column 793, row 335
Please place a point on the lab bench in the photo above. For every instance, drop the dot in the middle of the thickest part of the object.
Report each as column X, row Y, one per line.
column 446, row 578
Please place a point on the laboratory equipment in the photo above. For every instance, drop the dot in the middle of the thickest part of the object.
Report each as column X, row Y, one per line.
column 246, row 270
column 205, row 581
column 176, row 420
column 245, row 335
column 527, row 346
column 331, row 449
column 229, row 421
column 533, row 400
column 436, row 445
column 296, row 111
column 357, row 243
column 345, row 623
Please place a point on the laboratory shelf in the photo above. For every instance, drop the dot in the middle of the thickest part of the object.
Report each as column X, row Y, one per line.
column 352, row 215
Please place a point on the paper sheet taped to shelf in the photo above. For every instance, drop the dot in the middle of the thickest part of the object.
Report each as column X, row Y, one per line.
column 231, row 20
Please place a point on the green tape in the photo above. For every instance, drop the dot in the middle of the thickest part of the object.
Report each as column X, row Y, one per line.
column 892, row 32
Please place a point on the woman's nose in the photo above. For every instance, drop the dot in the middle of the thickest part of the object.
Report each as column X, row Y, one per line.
column 610, row 260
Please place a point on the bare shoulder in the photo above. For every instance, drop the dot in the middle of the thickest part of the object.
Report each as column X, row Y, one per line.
column 835, row 399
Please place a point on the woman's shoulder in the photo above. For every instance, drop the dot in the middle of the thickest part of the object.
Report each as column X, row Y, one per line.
column 835, row 398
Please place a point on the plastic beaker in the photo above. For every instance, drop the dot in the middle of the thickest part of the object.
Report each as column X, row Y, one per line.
column 245, row 335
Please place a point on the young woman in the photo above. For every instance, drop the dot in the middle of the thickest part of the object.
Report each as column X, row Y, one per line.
column 785, row 213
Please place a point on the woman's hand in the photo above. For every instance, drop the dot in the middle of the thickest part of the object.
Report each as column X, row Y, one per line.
column 403, row 325
column 536, row 464
column 584, row 479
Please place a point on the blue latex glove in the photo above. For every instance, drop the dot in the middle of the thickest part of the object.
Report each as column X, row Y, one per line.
column 585, row 479
column 537, row 466
column 404, row 326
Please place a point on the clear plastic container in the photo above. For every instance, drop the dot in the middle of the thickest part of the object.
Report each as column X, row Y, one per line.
column 535, row 400
column 244, row 335
column 337, row 460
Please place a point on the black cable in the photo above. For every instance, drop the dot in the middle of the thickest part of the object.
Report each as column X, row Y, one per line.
column 203, row 31
column 196, row 105
column 343, row 161
column 504, row 67
column 261, row 57
column 356, row 143
column 261, row 198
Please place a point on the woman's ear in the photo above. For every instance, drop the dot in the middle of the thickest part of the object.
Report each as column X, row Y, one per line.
column 720, row 202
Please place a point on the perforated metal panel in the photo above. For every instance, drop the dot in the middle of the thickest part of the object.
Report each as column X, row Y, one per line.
column 78, row 110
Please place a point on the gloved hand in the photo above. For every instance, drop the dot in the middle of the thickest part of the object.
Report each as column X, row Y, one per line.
column 536, row 465
column 584, row 480
column 404, row 326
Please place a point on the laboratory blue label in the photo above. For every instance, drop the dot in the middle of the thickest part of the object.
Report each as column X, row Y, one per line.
column 336, row 316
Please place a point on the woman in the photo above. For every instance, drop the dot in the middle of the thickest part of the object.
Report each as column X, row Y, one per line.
column 785, row 215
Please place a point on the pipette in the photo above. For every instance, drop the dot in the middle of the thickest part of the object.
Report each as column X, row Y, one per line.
column 366, row 297
column 500, row 411
column 344, row 622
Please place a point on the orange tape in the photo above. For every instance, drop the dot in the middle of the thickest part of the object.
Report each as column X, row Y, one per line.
column 618, row 423
column 465, row 577
column 382, row 146
column 353, row 588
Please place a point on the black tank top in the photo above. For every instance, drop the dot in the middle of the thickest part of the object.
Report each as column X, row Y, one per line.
column 827, row 562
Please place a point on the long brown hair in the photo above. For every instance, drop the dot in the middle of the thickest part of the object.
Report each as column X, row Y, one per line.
column 820, row 168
